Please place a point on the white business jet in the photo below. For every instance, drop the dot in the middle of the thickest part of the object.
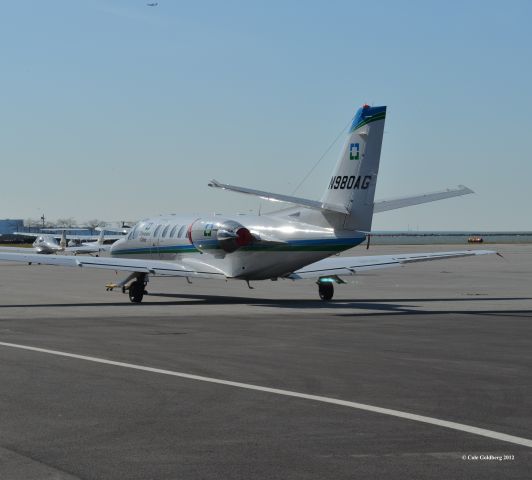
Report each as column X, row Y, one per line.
column 294, row 243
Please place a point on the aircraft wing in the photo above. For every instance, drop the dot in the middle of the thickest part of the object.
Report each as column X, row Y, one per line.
column 17, row 250
column 345, row 266
column 31, row 234
column 74, row 250
column 88, row 249
column 121, row 231
column 81, row 238
column 90, row 238
column 152, row 267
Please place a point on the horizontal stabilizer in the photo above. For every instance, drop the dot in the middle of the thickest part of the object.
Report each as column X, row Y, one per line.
column 380, row 205
column 395, row 203
column 277, row 197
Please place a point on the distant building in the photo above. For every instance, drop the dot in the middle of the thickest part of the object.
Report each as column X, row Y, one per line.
column 9, row 226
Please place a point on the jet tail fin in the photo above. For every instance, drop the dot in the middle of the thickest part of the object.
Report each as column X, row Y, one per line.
column 63, row 241
column 354, row 178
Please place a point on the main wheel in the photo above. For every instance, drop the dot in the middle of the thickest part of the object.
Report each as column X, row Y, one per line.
column 136, row 291
column 326, row 291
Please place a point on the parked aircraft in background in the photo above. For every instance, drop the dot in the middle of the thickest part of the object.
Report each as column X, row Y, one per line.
column 49, row 243
column 121, row 230
column 293, row 243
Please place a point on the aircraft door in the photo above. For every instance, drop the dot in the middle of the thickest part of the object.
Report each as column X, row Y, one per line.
column 155, row 241
column 162, row 241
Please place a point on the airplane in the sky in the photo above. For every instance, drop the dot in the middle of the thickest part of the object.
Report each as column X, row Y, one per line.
column 294, row 243
column 153, row 4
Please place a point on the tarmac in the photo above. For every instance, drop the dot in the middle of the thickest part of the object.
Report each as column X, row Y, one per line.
column 415, row 372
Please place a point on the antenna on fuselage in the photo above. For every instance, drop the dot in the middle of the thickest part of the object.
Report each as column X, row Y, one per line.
column 323, row 156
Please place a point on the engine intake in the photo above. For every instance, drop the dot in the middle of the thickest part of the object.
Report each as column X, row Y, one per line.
column 219, row 234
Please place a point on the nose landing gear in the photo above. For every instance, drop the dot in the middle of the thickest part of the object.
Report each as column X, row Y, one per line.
column 134, row 284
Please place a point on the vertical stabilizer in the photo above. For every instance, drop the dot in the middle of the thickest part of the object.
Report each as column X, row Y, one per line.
column 352, row 185
column 63, row 241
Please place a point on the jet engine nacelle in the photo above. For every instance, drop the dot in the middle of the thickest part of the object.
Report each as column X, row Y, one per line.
column 219, row 234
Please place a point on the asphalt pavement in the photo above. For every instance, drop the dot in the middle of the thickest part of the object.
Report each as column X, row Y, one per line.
column 415, row 372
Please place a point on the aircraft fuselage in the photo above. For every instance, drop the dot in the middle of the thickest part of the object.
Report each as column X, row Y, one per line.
column 248, row 247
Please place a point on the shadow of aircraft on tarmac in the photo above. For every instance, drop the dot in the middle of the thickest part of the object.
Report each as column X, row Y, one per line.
column 375, row 306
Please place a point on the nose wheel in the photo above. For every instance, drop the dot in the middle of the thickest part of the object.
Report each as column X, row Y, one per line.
column 326, row 291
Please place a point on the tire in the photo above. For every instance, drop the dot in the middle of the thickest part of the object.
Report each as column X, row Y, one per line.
column 136, row 291
column 326, row 291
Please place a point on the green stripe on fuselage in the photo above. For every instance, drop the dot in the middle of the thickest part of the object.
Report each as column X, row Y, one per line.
column 251, row 248
column 149, row 250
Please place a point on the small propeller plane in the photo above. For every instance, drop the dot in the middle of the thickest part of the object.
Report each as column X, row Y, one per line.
column 298, row 242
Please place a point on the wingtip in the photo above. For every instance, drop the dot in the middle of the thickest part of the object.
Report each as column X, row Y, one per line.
column 465, row 189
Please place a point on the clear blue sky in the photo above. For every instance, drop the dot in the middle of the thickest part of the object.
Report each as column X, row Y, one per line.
column 115, row 110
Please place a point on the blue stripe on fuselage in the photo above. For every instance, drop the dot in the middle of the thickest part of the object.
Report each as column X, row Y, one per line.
column 319, row 242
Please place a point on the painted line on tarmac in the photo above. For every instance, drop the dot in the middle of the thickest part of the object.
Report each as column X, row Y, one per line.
column 287, row 393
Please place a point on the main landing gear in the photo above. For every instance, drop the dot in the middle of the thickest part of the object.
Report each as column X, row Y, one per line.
column 136, row 291
column 326, row 290
column 326, row 286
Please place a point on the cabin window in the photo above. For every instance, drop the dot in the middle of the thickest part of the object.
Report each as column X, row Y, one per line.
column 182, row 231
column 156, row 231
column 165, row 231
column 172, row 232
